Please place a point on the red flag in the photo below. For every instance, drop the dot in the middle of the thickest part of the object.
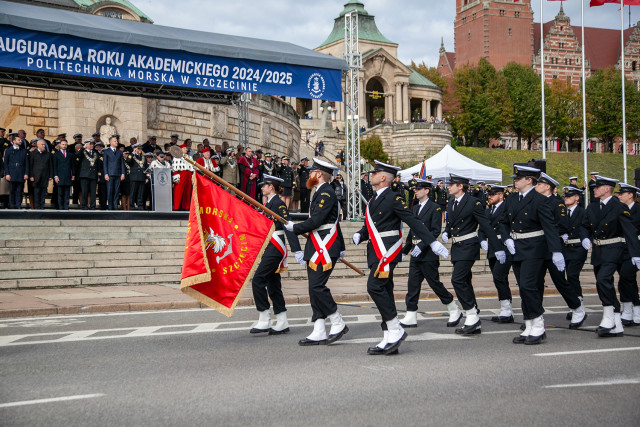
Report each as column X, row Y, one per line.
column 626, row 2
column 225, row 237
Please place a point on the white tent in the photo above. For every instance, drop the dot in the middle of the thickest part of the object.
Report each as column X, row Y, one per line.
column 447, row 161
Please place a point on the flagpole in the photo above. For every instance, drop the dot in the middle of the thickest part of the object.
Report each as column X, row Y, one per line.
column 584, row 112
column 176, row 152
column 624, row 114
column 544, row 137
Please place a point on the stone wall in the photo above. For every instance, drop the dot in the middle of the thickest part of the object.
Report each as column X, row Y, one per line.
column 410, row 142
column 29, row 109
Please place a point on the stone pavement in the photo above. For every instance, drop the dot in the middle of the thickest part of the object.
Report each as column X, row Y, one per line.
column 101, row 299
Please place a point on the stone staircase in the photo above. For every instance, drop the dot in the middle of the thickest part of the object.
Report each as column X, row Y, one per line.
column 68, row 253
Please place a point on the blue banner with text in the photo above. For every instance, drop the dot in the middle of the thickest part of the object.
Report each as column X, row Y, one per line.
column 74, row 56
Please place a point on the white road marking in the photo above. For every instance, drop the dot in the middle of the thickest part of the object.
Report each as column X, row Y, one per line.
column 601, row 350
column 597, row 383
column 52, row 399
column 426, row 336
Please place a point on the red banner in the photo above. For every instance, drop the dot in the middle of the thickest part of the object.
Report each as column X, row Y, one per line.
column 225, row 237
column 626, row 2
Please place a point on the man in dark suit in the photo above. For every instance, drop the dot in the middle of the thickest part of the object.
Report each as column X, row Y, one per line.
column 113, row 169
column 424, row 263
column 40, row 172
column 627, row 272
column 499, row 272
column 608, row 222
column 137, row 177
column 464, row 215
column 16, row 169
column 324, row 248
column 574, row 254
column 87, row 164
column 63, row 174
column 383, row 228
column 529, row 232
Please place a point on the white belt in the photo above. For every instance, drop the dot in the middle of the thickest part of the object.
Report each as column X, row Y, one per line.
column 457, row 239
column 518, row 236
column 604, row 242
column 278, row 233
column 389, row 233
column 573, row 242
column 324, row 227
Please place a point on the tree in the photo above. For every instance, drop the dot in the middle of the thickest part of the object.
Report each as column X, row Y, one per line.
column 371, row 149
column 484, row 103
column 564, row 112
column 523, row 92
column 432, row 74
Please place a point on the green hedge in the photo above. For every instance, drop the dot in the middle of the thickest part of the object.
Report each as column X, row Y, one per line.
column 560, row 166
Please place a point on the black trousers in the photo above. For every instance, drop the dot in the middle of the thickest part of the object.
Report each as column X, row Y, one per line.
column 77, row 190
column 500, row 273
column 304, row 198
column 113, row 187
column 568, row 292
column 381, row 292
column 64, row 192
column 146, row 196
column 39, row 195
column 136, row 194
column 604, row 284
column 320, row 298
column 16, row 189
column 574, row 267
column 628, row 282
column 461, row 281
column 102, row 195
column 529, row 273
column 88, row 187
column 425, row 270
column 266, row 284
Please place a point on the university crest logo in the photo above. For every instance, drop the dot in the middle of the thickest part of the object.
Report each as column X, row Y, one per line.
column 316, row 85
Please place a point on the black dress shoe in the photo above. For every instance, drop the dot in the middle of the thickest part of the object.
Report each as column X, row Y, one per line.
column 470, row 329
column 455, row 322
column 520, row 339
column 502, row 319
column 335, row 337
column 629, row 323
column 391, row 347
column 305, row 342
column 274, row 332
column 258, row 331
column 377, row 351
column 408, row 326
column 578, row 324
column 606, row 333
column 531, row 340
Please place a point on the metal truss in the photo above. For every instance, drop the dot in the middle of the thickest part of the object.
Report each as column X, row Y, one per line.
column 242, row 108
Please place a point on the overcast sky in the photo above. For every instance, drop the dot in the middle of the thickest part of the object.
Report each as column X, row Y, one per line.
column 416, row 25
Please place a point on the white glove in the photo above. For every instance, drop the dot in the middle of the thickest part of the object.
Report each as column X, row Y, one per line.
column 356, row 239
column 511, row 246
column 636, row 261
column 558, row 260
column 484, row 245
column 439, row 249
column 501, row 256
column 403, row 257
column 176, row 179
column 586, row 243
column 445, row 237
column 565, row 237
column 288, row 226
column 341, row 256
column 416, row 251
column 300, row 257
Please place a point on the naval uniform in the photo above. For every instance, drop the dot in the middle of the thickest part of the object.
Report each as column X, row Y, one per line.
column 303, row 173
column 137, row 178
column 574, row 254
column 286, row 173
column 266, row 282
column 425, row 266
column 88, row 166
column 627, row 272
column 323, row 220
column 499, row 272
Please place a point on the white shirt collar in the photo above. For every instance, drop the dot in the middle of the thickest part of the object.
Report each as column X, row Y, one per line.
column 498, row 205
column 631, row 205
column 424, row 203
column 605, row 201
column 269, row 199
column 571, row 209
column 458, row 199
column 528, row 191
column 379, row 192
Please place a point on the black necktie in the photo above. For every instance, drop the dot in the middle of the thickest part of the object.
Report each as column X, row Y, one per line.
column 493, row 209
column 520, row 199
column 455, row 205
column 601, row 205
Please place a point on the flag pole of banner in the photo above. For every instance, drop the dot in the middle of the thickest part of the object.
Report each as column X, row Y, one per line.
column 225, row 238
column 584, row 113
column 544, row 136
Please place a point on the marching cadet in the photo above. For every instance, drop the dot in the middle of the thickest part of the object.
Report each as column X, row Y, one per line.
column 465, row 214
column 573, row 182
column 592, row 184
column 411, row 185
column 303, row 174
column 500, row 272
column 323, row 249
column 480, row 193
column 574, row 254
column 628, row 282
column 441, row 197
column 424, row 262
column 383, row 228
column 529, row 232
column 137, row 177
column 87, row 165
column 266, row 281
column 545, row 186
column 286, row 173
column 608, row 222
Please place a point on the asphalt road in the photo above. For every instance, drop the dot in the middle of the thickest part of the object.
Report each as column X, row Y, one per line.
column 196, row 367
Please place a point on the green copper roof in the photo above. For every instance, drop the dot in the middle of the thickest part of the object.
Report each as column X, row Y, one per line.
column 417, row 79
column 366, row 25
column 92, row 4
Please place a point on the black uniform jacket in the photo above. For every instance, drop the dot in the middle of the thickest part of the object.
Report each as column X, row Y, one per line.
column 286, row 173
column 388, row 211
column 560, row 216
column 495, row 220
column 40, row 168
column 465, row 219
column 83, row 164
column 531, row 214
column 324, row 209
column 136, row 171
column 431, row 217
column 575, row 251
column 613, row 220
column 277, row 205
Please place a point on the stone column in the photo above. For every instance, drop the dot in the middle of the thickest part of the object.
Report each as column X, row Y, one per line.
column 428, row 116
column 406, row 109
column 440, row 111
column 388, row 107
column 425, row 114
column 398, row 115
column 315, row 109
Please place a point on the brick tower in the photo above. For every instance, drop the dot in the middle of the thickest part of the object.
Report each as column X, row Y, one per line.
column 499, row 30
